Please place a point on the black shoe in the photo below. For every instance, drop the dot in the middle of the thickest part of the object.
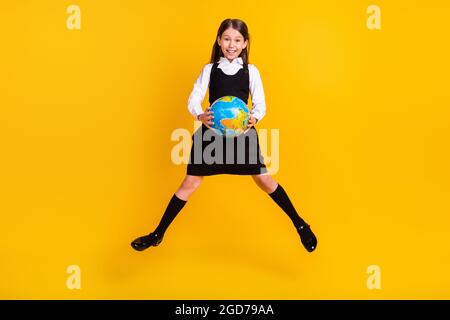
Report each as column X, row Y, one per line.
column 308, row 238
column 142, row 243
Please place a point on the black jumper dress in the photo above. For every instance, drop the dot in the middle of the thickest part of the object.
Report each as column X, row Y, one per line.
column 237, row 155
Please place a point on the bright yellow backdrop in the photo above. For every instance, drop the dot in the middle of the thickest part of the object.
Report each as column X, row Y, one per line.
column 364, row 151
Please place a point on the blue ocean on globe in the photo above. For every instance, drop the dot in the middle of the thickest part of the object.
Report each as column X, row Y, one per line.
column 230, row 116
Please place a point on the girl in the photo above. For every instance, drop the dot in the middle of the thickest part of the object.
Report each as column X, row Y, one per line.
column 228, row 74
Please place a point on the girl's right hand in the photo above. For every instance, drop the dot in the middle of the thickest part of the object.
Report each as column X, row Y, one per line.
column 206, row 117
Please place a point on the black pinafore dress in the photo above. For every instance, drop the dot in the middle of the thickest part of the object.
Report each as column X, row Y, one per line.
column 237, row 155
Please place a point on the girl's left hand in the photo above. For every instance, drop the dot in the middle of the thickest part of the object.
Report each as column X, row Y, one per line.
column 251, row 122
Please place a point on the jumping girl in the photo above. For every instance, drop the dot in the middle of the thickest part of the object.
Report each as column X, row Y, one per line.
column 228, row 74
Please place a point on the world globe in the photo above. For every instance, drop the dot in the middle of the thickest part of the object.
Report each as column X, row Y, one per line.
column 230, row 116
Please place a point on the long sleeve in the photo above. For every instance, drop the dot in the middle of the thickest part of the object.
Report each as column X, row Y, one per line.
column 257, row 92
column 199, row 91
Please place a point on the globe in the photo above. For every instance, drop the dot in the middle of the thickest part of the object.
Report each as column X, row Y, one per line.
column 230, row 116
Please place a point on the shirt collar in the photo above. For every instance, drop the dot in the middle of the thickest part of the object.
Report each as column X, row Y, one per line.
column 236, row 60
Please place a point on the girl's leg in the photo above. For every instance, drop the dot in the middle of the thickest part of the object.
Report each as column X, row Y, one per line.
column 176, row 203
column 179, row 199
column 265, row 182
column 188, row 186
column 277, row 193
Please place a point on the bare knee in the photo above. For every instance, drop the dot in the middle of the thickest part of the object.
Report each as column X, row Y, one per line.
column 265, row 182
column 191, row 183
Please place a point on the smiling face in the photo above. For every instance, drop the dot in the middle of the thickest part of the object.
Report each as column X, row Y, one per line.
column 231, row 43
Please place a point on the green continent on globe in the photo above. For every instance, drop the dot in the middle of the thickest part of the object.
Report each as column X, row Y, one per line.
column 235, row 123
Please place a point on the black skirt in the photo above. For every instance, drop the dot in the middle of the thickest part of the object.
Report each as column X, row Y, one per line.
column 214, row 154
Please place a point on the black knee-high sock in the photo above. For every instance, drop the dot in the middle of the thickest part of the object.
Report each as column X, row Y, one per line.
column 174, row 206
column 282, row 199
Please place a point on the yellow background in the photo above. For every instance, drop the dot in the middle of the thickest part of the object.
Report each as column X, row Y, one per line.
column 364, row 151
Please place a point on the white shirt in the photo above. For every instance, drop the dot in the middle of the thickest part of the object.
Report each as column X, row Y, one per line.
column 201, row 85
